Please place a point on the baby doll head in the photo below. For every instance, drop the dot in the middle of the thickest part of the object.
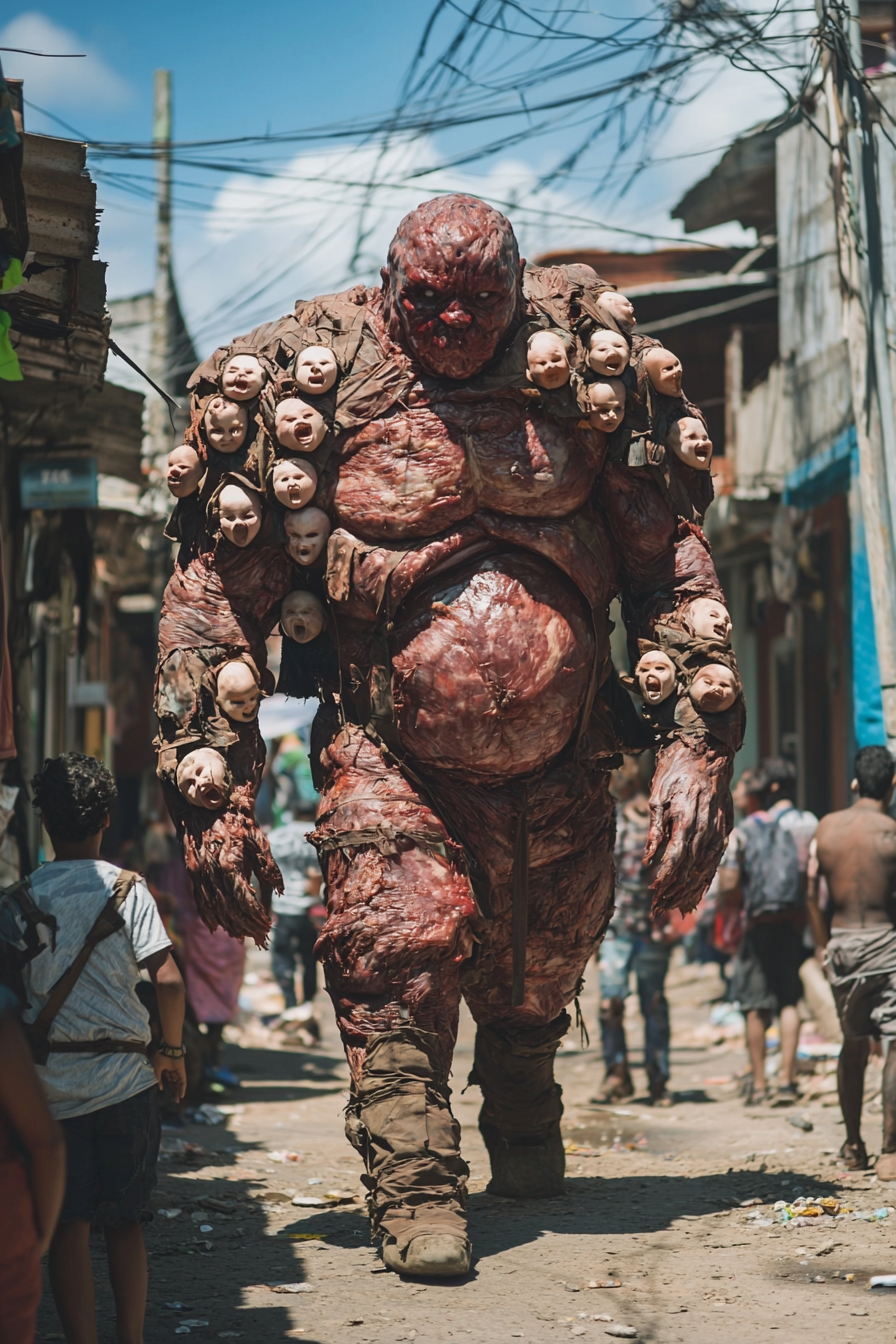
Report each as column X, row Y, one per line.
column 242, row 377
column 547, row 360
column 301, row 616
column 185, row 471
column 664, row 370
column 655, row 675
column 202, row 778
column 607, row 398
column 307, row 531
column 239, row 511
column 690, row 442
column 608, row 353
column 714, row 688
column 293, row 483
column 226, row 424
column 316, row 369
column 617, row 307
column 238, row 692
column 705, row 618
column 298, row 426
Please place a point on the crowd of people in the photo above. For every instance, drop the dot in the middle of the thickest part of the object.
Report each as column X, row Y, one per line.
column 103, row 974
column 789, row 888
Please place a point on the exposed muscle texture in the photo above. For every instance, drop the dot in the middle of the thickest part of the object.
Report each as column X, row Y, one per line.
column 490, row 668
column 480, row 527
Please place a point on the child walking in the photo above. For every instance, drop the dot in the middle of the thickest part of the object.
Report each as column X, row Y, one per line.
column 89, row 1034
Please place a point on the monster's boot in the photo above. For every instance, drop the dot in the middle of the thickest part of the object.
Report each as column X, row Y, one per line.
column 520, row 1116
column 399, row 1119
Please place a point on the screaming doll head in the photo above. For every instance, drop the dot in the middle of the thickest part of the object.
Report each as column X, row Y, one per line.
column 185, row 471
column 316, row 369
column 618, row 308
column 202, row 778
column 239, row 511
column 705, row 618
column 664, row 370
column 238, row 692
column 242, row 377
column 607, row 398
column 307, row 531
column 452, row 286
column 226, row 424
column 608, row 353
column 655, row 675
column 714, row 688
column 547, row 360
column 298, row 426
column 690, row 443
column 301, row 616
column 293, row 483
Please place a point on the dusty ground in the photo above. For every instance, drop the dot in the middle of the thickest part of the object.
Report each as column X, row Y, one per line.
column 652, row 1210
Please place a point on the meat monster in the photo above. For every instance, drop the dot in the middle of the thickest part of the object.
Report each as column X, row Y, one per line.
column 470, row 713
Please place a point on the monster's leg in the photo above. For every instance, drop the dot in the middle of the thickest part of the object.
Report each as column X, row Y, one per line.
column 398, row 927
column 570, row 901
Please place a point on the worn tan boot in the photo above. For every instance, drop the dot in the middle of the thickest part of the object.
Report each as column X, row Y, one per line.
column 885, row 1167
column 437, row 1255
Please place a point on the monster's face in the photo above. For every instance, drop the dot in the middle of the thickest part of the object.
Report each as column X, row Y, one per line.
column 452, row 287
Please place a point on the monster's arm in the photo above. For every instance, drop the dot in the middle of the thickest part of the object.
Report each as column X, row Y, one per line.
column 666, row 562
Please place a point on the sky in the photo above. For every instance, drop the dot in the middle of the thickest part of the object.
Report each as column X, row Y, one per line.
column 246, row 247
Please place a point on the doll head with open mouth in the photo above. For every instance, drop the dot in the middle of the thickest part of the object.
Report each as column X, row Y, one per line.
column 690, row 443
column 316, row 369
column 185, row 471
column 293, row 483
column 239, row 512
column 302, row 616
column 202, row 778
column 297, row 426
column 307, row 531
column 655, row 675
column 705, row 618
column 714, row 688
column 608, row 353
column 242, row 377
column 547, row 360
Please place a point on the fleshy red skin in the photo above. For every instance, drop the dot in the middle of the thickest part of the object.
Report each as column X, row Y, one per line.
column 494, row 536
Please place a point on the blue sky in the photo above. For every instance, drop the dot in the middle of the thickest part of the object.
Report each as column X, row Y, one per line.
column 246, row 248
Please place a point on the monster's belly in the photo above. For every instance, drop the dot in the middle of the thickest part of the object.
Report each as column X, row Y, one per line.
column 490, row 667
column 422, row 470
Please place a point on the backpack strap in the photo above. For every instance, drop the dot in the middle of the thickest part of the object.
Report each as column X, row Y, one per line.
column 107, row 922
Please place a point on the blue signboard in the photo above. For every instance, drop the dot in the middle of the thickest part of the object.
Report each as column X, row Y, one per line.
column 58, row 483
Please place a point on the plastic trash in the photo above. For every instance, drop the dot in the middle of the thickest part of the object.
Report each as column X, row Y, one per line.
column 310, row 1202
column 169, row 1213
column 290, row 1288
column 883, row 1281
column 621, row 1331
column 800, row 1122
column 206, row 1227
column 207, row 1114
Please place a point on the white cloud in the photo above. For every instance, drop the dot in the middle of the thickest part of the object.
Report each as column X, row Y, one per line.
column 60, row 85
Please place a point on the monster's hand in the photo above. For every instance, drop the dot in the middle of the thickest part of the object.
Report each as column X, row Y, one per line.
column 690, row 817
column 222, row 850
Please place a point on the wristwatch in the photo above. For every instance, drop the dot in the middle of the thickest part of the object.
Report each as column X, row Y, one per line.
column 172, row 1051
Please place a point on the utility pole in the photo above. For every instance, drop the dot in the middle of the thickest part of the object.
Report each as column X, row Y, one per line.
column 854, row 174
column 164, row 304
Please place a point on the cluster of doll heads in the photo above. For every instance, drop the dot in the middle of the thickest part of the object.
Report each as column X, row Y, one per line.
column 714, row 687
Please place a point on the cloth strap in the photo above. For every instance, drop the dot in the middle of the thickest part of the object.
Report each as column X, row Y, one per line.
column 108, row 921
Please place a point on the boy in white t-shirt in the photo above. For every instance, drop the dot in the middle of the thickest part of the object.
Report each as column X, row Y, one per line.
column 98, row 1077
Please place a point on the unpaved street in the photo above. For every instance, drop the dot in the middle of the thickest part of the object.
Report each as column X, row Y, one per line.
column 648, row 1204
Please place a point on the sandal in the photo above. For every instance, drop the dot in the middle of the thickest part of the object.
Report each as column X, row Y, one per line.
column 854, row 1156
column 754, row 1096
column 786, row 1095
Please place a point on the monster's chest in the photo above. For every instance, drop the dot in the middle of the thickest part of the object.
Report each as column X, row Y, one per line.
column 423, row 469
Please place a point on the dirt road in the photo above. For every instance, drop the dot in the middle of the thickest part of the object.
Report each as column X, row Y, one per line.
column 653, row 1202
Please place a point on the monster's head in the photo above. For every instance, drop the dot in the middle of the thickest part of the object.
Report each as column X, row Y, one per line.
column 452, row 287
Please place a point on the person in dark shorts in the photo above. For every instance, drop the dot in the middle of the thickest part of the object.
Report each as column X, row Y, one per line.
column 765, row 866
column 855, row 851
column 97, row 1075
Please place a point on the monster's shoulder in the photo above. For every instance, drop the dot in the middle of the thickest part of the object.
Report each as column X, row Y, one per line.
column 565, row 294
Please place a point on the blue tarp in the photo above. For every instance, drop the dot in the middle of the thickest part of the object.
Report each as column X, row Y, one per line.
column 832, row 472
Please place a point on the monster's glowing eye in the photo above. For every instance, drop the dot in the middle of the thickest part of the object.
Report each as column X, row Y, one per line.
column 429, row 293
column 484, row 295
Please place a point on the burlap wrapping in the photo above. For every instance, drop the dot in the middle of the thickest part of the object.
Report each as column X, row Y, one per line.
column 513, row 1065
column 399, row 1119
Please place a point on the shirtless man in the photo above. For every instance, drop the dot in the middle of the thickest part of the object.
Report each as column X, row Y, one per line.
column 855, row 850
